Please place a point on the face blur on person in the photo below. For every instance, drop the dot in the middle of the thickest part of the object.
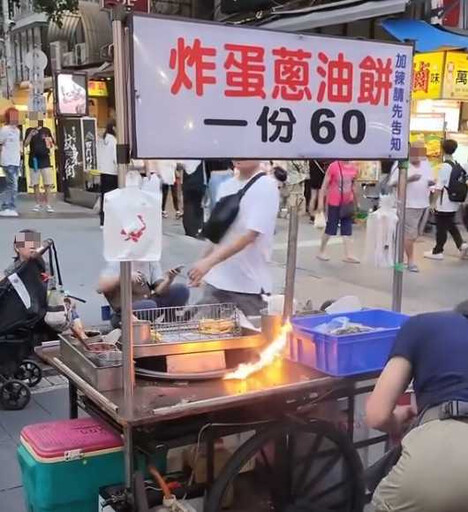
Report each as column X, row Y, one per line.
column 13, row 117
column 246, row 167
column 416, row 154
column 26, row 245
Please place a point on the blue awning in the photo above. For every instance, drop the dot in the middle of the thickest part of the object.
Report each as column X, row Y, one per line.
column 427, row 38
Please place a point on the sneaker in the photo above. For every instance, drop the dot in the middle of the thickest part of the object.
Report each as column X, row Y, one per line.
column 37, row 208
column 49, row 209
column 178, row 214
column 8, row 213
column 463, row 249
column 164, row 214
column 413, row 268
column 431, row 256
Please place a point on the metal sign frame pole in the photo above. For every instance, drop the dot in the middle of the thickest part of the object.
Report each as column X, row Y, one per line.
column 119, row 14
column 291, row 261
column 398, row 269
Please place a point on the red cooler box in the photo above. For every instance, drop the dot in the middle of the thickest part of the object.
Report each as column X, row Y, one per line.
column 64, row 463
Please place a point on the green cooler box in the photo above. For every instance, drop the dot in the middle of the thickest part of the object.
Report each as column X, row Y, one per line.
column 64, row 463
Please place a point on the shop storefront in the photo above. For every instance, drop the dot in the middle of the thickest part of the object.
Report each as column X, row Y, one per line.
column 440, row 102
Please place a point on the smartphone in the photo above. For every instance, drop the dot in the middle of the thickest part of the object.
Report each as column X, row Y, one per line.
column 179, row 268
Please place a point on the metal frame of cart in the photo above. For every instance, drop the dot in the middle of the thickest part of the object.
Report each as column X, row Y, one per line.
column 140, row 407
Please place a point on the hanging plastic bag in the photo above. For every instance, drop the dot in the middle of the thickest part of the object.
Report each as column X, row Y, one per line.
column 132, row 227
column 320, row 221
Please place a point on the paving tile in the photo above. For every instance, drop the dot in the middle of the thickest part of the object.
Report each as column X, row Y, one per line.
column 55, row 402
column 10, row 475
column 12, row 500
column 13, row 421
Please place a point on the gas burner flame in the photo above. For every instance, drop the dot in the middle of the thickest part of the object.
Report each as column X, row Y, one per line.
column 267, row 356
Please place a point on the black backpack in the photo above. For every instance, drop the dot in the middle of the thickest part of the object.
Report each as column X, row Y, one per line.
column 457, row 189
column 225, row 212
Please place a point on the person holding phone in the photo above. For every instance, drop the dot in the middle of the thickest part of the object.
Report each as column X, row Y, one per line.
column 150, row 287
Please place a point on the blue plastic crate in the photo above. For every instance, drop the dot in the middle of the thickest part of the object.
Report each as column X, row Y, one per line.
column 352, row 354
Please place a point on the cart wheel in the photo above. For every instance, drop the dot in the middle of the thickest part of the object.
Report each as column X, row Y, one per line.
column 293, row 466
column 14, row 395
column 29, row 372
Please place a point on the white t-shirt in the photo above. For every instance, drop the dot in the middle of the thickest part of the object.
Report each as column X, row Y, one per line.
column 417, row 192
column 107, row 155
column 443, row 203
column 248, row 271
column 166, row 170
column 10, row 140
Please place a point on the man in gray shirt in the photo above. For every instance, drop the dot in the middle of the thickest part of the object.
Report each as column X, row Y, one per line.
column 150, row 287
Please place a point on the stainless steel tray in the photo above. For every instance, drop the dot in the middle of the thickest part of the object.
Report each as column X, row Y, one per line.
column 250, row 339
column 100, row 377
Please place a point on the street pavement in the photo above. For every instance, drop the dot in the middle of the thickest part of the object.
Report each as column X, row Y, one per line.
column 440, row 285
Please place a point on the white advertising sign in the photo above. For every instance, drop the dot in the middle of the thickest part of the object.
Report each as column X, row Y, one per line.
column 215, row 91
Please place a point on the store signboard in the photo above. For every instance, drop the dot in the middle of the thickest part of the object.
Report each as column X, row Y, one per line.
column 97, row 89
column 72, row 140
column 456, row 76
column 428, row 74
column 134, row 5
column 89, row 144
column 71, row 94
column 217, row 91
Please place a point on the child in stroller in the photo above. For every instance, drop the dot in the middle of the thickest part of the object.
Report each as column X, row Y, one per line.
column 23, row 308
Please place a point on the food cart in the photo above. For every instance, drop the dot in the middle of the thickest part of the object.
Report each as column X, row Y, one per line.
column 310, row 93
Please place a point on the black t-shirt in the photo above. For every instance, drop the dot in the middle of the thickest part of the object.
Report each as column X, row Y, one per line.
column 38, row 147
column 436, row 345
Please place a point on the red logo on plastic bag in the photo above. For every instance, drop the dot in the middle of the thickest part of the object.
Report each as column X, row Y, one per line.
column 135, row 234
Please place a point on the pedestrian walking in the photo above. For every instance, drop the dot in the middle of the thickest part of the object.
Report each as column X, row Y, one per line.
column 236, row 270
column 218, row 171
column 167, row 173
column 107, row 164
column 10, row 160
column 193, row 192
column 420, row 179
column 40, row 142
column 451, row 191
column 312, row 186
column 339, row 190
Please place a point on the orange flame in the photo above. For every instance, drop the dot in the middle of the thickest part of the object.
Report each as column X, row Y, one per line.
column 267, row 356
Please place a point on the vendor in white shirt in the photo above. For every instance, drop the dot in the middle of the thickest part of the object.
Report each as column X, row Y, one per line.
column 237, row 269
column 420, row 179
column 445, row 209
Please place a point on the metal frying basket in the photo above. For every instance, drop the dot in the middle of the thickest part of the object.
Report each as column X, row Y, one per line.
column 193, row 323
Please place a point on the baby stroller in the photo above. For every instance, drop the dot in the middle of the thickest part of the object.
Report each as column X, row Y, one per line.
column 23, row 305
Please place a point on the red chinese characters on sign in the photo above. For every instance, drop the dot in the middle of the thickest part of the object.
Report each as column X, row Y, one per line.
column 421, row 77
column 292, row 74
column 337, row 83
column 197, row 57
column 375, row 81
column 245, row 71
column 195, row 67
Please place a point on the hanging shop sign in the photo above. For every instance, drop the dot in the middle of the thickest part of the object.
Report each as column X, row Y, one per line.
column 134, row 5
column 97, row 89
column 71, row 94
column 456, row 76
column 428, row 74
column 215, row 91
column 73, row 161
column 89, row 144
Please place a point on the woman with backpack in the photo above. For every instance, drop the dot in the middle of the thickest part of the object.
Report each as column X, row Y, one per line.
column 451, row 192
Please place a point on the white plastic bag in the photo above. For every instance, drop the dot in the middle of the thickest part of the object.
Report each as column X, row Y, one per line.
column 132, row 227
column 320, row 221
